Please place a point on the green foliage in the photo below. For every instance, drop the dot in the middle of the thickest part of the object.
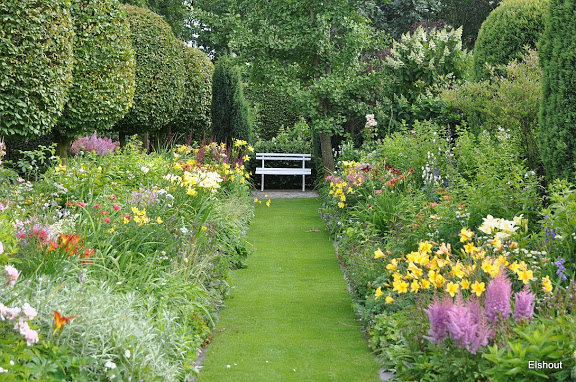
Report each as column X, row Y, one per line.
column 557, row 133
column 550, row 341
column 230, row 113
column 396, row 17
column 506, row 32
column 560, row 218
column 510, row 101
column 36, row 61
column 160, row 73
column 194, row 114
column 103, row 78
column 416, row 62
column 274, row 109
column 491, row 180
column 470, row 14
column 174, row 12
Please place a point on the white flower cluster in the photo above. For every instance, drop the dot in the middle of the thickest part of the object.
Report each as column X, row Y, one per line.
column 430, row 174
column 501, row 228
column 370, row 121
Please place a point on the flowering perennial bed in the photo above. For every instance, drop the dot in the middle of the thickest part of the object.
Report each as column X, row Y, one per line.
column 457, row 270
column 114, row 265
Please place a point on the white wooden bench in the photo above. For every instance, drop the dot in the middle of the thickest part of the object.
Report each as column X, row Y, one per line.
column 283, row 170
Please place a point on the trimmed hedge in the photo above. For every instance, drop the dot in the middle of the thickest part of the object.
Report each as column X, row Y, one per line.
column 274, row 109
column 504, row 34
column 557, row 132
column 160, row 73
column 194, row 116
column 230, row 113
column 35, row 64
column 103, row 78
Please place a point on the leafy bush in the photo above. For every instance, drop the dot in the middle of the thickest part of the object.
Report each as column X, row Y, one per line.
column 506, row 32
column 102, row 86
column 550, row 341
column 416, row 62
column 230, row 115
column 36, row 60
column 557, row 133
column 194, row 115
column 160, row 73
column 509, row 100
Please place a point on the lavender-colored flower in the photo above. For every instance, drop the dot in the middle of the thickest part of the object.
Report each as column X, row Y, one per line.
column 561, row 269
column 461, row 325
column 524, row 305
column 102, row 146
column 438, row 314
column 498, row 296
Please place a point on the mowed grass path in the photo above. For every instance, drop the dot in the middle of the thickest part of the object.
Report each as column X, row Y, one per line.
column 290, row 316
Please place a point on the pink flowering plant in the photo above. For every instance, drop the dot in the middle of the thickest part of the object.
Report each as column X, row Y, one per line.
column 99, row 145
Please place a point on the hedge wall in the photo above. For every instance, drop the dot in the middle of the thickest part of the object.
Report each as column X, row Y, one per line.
column 103, row 78
column 160, row 73
column 194, row 116
column 35, row 64
column 507, row 30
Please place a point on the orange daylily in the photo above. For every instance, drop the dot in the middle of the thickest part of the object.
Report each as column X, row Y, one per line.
column 60, row 320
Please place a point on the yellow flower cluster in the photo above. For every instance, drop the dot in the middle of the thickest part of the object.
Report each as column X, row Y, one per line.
column 437, row 266
column 339, row 190
column 140, row 216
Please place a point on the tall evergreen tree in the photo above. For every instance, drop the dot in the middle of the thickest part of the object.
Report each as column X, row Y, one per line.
column 557, row 134
column 230, row 114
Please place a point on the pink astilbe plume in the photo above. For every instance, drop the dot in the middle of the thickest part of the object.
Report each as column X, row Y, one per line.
column 498, row 296
column 524, row 305
column 467, row 325
column 102, row 146
column 438, row 314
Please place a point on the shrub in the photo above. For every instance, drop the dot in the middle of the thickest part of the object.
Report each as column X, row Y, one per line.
column 194, row 115
column 557, row 134
column 103, row 77
column 416, row 62
column 507, row 30
column 159, row 73
column 510, row 101
column 36, row 61
column 230, row 114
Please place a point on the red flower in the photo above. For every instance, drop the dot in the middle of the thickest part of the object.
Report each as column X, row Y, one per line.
column 81, row 204
column 113, row 197
column 116, row 207
column 378, row 191
column 96, row 206
column 106, row 219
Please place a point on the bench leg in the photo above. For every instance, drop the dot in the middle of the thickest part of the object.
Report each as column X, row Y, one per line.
column 303, row 183
column 262, row 185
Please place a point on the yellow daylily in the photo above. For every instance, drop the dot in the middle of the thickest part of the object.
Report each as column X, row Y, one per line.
column 378, row 254
column 465, row 235
column 478, row 288
column 378, row 293
column 452, row 288
column 465, row 284
column 547, row 284
column 389, row 299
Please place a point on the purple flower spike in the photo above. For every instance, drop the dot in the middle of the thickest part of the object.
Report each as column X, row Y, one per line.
column 438, row 314
column 524, row 306
column 498, row 296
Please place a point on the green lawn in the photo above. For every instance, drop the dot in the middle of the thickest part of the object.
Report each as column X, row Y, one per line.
column 290, row 316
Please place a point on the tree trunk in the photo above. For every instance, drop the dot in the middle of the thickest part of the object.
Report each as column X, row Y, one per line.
column 62, row 146
column 326, row 149
column 146, row 139
column 122, row 138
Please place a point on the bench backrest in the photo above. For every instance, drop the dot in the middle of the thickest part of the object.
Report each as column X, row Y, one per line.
column 283, row 156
